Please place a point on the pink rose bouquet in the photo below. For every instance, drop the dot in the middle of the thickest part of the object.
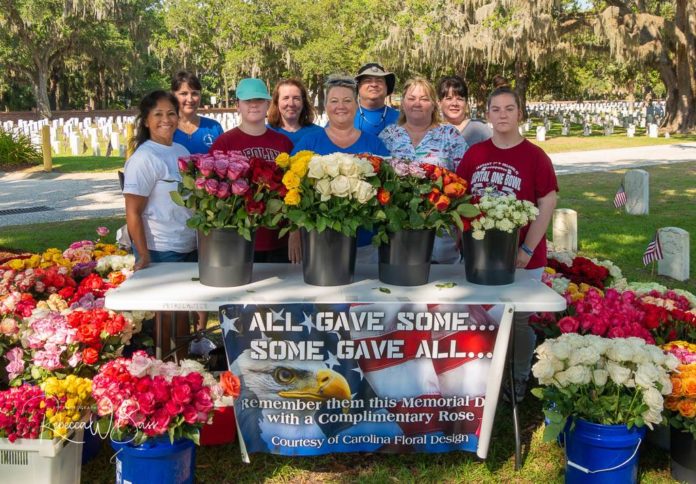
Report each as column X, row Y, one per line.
column 141, row 398
column 612, row 315
column 45, row 412
column 229, row 190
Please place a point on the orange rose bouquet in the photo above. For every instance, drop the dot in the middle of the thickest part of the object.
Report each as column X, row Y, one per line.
column 419, row 196
column 681, row 403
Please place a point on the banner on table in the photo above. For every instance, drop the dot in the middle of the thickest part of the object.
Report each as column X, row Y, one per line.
column 379, row 377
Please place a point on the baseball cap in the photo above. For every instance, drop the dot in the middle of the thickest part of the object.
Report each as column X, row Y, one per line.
column 373, row 69
column 252, row 88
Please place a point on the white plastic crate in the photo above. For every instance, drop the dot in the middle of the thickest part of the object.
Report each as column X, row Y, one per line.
column 42, row 461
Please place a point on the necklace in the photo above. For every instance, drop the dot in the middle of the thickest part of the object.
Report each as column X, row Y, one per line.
column 364, row 118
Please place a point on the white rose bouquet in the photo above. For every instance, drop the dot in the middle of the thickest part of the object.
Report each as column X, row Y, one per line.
column 502, row 212
column 328, row 192
column 605, row 381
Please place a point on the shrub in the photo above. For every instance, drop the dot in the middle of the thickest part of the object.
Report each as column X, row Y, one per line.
column 17, row 150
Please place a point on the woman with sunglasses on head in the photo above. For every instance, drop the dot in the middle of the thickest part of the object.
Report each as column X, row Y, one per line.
column 453, row 94
column 290, row 112
column 341, row 136
column 511, row 164
column 196, row 133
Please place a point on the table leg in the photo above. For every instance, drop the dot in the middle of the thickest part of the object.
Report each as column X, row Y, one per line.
column 172, row 335
column 158, row 335
column 513, row 399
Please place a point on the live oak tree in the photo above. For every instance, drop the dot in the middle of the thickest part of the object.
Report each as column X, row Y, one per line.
column 452, row 35
column 455, row 34
column 35, row 35
column 660, row 34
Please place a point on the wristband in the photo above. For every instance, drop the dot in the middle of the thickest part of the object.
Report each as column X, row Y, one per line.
column 527, row 250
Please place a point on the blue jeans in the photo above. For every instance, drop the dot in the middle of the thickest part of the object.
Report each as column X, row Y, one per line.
column 169, row 256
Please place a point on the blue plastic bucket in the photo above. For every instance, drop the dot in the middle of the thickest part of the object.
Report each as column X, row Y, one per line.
column 156, row 461
column 602, row 453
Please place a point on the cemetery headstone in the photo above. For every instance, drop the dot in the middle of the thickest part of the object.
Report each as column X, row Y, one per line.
column 675, row 251
column 637, row 187
column 652, row 130
column 565, row 230
column 541, row 133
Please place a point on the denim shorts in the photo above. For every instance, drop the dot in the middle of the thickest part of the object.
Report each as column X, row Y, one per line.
column 170, row 256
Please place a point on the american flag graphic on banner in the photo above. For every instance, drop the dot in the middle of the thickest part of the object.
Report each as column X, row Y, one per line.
column 620, row 197
column 363, row 377
column 653, row 251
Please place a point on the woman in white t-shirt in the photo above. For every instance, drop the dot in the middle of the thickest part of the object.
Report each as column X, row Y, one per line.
column 157, row 226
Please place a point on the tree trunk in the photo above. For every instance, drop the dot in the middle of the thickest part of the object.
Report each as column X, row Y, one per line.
column 318, row 84
column 102, row 90
column 679, row 73
column 522, row 69
column 40, row 87
column 227, row 92
column 54, row 92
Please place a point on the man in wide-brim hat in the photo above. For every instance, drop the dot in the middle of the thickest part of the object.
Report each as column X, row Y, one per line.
column 374, row 85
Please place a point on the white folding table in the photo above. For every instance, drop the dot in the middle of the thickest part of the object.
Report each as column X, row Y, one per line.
column 175, row 287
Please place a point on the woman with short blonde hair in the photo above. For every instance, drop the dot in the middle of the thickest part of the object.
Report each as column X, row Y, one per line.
column 420, row 136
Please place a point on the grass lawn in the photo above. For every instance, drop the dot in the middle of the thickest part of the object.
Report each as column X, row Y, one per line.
column 87, row 164
column 608, row 233
column 604, row 232
column 39, row 237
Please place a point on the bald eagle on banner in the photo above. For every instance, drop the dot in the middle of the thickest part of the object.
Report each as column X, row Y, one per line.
column 288, row 393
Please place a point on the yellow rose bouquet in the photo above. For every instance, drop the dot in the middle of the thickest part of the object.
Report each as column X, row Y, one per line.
column 328, row 192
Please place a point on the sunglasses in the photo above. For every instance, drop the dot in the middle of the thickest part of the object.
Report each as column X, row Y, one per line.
column 341, row 82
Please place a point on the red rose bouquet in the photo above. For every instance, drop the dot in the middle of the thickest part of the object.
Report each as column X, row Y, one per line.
column 41, row 282
column 670, row 316
column 229, row 190
column 142, row 397
column 416, row 196
column 582, row 270
column 613, row 314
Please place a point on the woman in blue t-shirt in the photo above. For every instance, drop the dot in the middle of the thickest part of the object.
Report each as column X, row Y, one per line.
column 290, row 112
column 341, row 136
column 195, row 132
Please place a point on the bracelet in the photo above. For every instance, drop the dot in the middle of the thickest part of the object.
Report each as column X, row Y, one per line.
column 527, row 250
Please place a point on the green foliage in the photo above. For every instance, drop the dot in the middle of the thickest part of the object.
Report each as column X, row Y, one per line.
column 17, row 150
column 683, row 424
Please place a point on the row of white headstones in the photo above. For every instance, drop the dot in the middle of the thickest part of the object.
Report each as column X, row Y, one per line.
column 606, row 115
column 93, row 135
column 674, row 241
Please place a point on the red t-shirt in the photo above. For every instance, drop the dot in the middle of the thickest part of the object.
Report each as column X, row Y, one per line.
column 266, row 146
column 524, row 170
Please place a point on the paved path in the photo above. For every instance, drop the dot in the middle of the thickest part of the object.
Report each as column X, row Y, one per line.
column 89, row 195
column 58, row 197
column 616, row 159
